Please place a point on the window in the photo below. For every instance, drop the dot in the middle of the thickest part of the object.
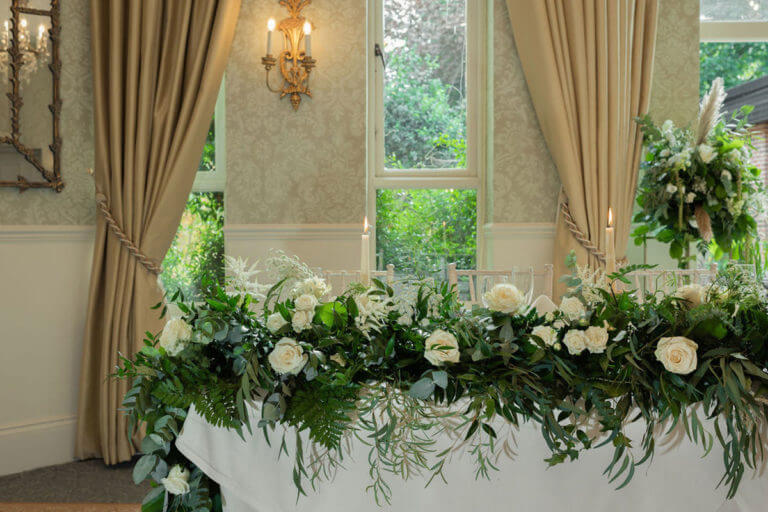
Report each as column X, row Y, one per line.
column 427, row 126
column 197, row 250
column 734, row 46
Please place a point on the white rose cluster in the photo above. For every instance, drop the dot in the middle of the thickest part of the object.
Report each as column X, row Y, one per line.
column 573, row 308
column 677, row 354
column 593, row 339
column 287, row 357
column 177, row 481
column 504, row 298
column 441, row 347
column 176, row 336
column 305, row 308
column 315, row 286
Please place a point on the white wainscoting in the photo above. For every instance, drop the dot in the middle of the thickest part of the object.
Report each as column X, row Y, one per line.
column 44, row 274
column 519, row 244
column 327, row 246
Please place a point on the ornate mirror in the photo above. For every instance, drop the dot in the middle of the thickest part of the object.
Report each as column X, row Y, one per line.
column 30, row 105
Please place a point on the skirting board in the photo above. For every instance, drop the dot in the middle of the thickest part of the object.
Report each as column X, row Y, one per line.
column 37, row 444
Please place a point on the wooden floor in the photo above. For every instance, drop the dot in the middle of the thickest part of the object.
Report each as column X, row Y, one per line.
column 68, row 507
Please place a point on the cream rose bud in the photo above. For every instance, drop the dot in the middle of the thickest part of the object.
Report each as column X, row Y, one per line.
column 572, row 308
column 338, row 359
column 441, row 347
column 175, row 336
column 707, row 153
column 693, row 294
column 547, row 334
column 597, row 339
column 505, row 298
column 677, row 354
column 306, row 302
column 177, row 481
column 302, row 320
column 575, row 341
column 287, row 357
column 275, row 322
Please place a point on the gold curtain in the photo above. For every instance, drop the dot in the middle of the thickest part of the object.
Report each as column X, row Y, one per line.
column 588, row 67
column 157, row 68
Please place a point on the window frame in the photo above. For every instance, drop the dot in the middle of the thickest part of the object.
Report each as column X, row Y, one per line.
column 216, row 180
column 471, row 177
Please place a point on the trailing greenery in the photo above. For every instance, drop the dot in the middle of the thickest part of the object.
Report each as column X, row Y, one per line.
column 389, row 370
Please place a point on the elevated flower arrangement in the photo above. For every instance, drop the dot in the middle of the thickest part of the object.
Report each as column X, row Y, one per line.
column 357, row 364
column 698, row 185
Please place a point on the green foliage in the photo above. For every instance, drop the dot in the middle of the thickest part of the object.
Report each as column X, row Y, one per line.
column 198, row 247
column 736, row 63
column 420, row 230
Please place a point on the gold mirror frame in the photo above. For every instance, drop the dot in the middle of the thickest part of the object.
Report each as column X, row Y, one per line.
column 49, row 178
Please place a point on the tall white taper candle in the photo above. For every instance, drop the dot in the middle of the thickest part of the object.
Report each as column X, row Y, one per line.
column 610, row 245
column 270, row 29
column 365, row 255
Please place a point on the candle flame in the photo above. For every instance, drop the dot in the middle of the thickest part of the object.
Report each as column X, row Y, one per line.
column 271, row 24
column 366, row 226
column 610, row 217
column 307, row 28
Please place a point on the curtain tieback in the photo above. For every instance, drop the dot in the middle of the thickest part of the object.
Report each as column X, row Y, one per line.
column 148, row 263
column 581, row 237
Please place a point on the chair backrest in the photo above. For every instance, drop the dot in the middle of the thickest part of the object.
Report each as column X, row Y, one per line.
column 473, row 282
column 648, row 282
column 341, row 279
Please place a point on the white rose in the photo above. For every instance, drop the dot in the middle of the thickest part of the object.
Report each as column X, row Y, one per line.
column 275, row 322
column 287, row 357
column 677, row 354
column 306, row 302
column 547, row 334
column 575, row 341
column 312, row 285
column 726, row 175
column 175, row 336
column 302, row 320
column 441, row 347
column 505, row 298
column 693, row 294
column 690, row 197
column 707, row 153
column 338, row 359
column 177, row 481
column 671, row 189
column 572, row 308
column 597, row 339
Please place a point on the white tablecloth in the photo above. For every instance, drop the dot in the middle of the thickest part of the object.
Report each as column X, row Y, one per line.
column 678, row 479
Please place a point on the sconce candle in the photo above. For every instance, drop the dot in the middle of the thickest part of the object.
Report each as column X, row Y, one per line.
column 270, row 29
column 610, row 245
column 307, row 39
column 365, row 255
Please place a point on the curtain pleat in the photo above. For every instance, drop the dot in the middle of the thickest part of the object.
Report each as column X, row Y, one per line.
column 157, row 68
column 588, row 66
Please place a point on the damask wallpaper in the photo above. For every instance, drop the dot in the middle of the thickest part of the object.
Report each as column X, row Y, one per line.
column 525, row 182
column 307, row 166
column 74, row 205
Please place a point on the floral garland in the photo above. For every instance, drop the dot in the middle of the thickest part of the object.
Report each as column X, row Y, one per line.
column 699, row 185
column 363, row 363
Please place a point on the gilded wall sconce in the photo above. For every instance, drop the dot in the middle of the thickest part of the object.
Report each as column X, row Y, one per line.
column 294, row 63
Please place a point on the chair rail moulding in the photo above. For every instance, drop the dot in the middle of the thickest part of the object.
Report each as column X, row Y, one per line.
column 46, row 233
column 329, row 232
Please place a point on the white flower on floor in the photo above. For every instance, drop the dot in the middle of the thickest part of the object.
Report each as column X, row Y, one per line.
column 314, row 286
column 677, row 354
column 707, row 153
column 547, row 334
column 306, row 302
column 597, row 339
column 504, row 298
column 275, row 322
column 302, row 320
column 572, row 308
column 177, row 481
column 694, row 294
column 175, row 336
column 287, row 357
column 575, row 341
column 441, row 347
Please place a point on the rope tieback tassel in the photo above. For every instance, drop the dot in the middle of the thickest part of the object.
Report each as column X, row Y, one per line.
column 582, row 238
column 148, row 263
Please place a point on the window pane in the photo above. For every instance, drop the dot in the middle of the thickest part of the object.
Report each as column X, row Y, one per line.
column 419, row 231
column 425, row 84
column 737, row 63
column 197, row 250
column 734, row 10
